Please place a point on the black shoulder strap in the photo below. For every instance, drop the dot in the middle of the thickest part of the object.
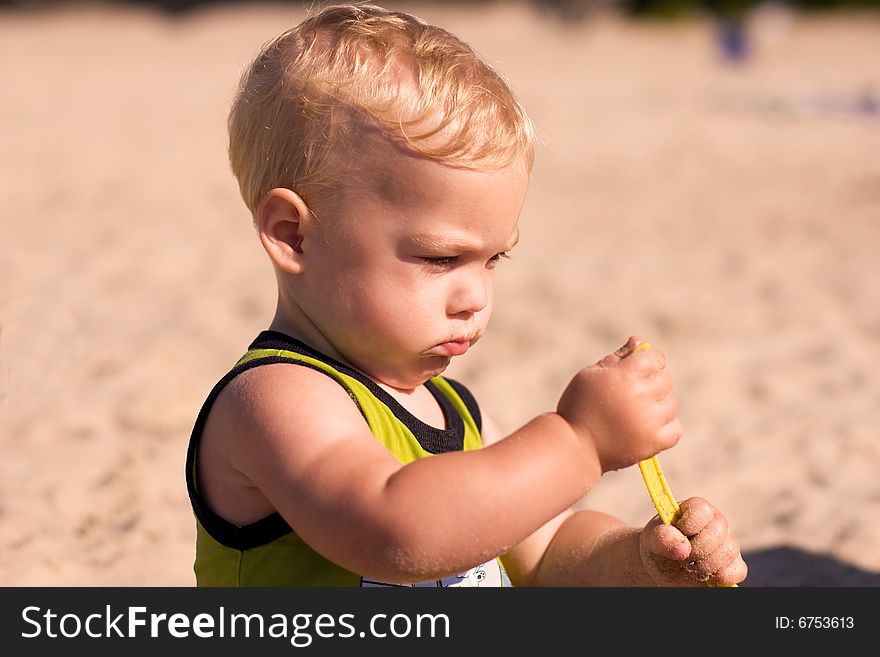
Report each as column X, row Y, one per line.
column 469, row 401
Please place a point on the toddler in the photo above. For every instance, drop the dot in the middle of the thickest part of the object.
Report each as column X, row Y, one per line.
column 385, row 166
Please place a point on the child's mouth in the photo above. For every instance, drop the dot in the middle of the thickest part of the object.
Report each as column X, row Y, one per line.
column 452, row 348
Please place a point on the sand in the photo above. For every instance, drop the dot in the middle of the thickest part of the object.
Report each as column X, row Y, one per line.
column 730, row 214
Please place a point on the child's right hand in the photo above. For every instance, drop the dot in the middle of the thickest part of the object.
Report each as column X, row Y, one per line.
column 624, row 406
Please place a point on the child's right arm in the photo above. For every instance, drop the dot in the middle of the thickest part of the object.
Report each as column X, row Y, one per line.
column 290, row 439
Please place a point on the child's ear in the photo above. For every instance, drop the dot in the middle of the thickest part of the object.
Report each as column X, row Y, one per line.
column 282, row 220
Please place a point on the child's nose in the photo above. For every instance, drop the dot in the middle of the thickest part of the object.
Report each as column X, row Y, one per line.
column 471, row 293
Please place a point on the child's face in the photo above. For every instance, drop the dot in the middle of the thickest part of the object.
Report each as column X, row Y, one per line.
column 401, row 279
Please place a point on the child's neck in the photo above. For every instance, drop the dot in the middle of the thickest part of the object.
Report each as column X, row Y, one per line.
column 299, row 327
column 418, row 401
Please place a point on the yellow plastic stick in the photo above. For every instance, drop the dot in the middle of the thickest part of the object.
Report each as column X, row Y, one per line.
column 658, row 489
column 655, row 482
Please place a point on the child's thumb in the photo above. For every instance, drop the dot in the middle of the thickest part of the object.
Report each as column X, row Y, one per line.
column 628, row 347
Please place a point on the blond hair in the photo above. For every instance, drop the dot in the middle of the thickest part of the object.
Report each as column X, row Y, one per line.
column 303, row 101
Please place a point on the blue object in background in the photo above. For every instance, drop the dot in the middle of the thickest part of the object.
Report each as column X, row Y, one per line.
column 733, row 40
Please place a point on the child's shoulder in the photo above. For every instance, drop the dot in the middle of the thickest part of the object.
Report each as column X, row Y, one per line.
column 279, row 377
column 269, row 422
column 270, row 396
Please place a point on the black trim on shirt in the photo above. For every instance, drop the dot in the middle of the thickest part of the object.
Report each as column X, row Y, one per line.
column 469, row 401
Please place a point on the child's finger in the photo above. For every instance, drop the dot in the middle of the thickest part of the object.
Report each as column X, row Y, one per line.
column 660, row 384
column 718, row 561
column 648, row 363
column 670, row 433
column 629, row 347
column 637, row 355
column 666, row 541
column 695, row 514
column 732, row 574
column 710, row 538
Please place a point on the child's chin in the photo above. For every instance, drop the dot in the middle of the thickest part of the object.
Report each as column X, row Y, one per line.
column 430, row 367
column 434, row 366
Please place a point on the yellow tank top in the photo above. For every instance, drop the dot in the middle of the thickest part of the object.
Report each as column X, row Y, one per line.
column 269, row 552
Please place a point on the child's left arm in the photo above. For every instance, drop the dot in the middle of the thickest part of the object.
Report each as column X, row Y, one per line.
column 590, row 548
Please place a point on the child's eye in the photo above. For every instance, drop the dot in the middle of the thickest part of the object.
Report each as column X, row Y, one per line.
column 498, row 257
column 441, row 261
column 449, row 261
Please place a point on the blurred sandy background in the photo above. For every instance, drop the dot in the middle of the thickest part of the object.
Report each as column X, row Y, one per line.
column 728, row 213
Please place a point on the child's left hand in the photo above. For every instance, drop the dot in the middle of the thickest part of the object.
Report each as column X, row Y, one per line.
column 699, row 549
